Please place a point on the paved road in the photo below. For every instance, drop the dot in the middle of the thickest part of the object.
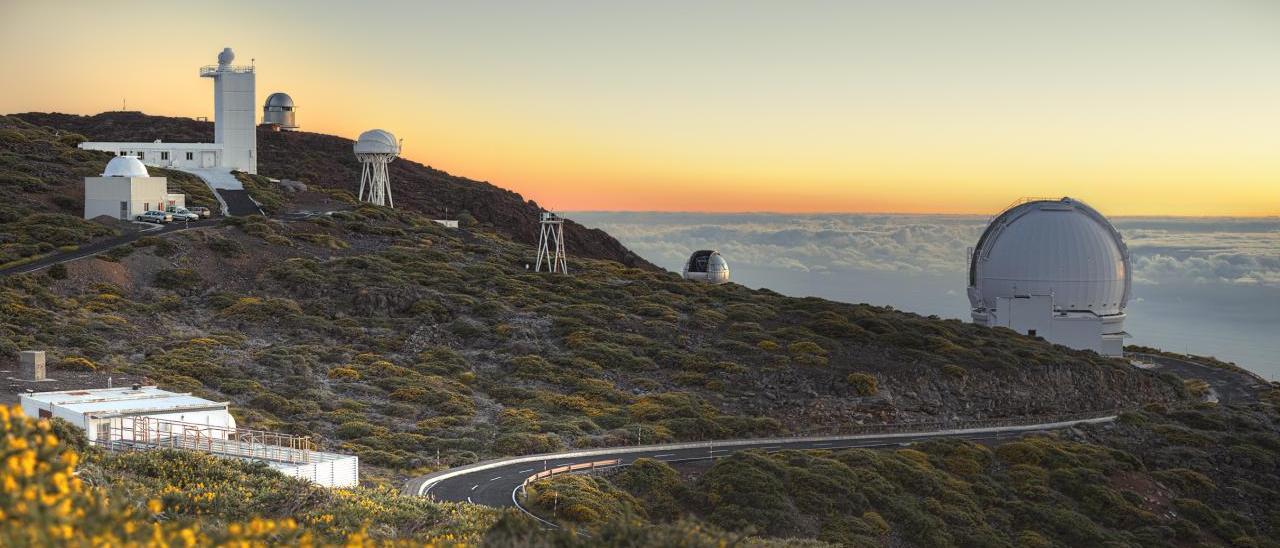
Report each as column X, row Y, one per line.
column 100, row 246
column 494, row 483
column 1229, row 386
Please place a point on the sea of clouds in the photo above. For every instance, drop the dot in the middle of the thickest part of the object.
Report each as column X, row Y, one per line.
column 1207, row 285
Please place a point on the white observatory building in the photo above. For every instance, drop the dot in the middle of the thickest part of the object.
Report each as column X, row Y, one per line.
column 1055, row 269
column 279, row 112
column 125, row 190
column 707, row 266
column 375, row 149
column 235, row 138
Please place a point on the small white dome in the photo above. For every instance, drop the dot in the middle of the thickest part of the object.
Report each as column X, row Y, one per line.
column 125, row 166
column 1062, row 248
column 707, row 266
column 226, row 57
column 377, row 141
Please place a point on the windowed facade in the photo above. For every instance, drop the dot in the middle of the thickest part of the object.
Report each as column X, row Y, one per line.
column 191, row 156
column 164, row 155
column 142, row 155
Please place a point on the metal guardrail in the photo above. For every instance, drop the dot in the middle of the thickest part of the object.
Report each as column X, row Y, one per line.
column 588, row 466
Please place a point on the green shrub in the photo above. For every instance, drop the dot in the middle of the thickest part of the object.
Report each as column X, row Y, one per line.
column 863, row 384
column 77, row 363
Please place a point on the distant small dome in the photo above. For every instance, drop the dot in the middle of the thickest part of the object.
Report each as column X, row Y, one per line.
column 125, row 166
column 707, row 266
column 226, row 57
column 279, row 100
column 377, row 141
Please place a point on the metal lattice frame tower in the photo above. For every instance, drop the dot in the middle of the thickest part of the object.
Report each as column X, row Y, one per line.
column 551, row 244
column 375, row 184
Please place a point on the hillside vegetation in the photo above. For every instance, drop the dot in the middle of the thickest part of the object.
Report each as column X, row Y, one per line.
column 1160, row 477
column 42, row 191
column 381, row 333
column 378, row 332
column 326, row 162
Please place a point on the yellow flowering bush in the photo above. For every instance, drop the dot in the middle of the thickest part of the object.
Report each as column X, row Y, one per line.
column 51, row 497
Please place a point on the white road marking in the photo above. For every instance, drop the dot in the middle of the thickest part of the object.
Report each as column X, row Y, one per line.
column 664, row 455
column 821, row 444
column 524, row 471
column 719, row 451
column 473, row 487
column 469, row 500
column 497, row 478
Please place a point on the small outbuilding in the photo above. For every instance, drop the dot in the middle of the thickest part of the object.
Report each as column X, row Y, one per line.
column 125, row 190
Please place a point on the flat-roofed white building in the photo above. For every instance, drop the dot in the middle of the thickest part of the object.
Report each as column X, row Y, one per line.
column 146, row 417
column 125, row 190
column 106, row 414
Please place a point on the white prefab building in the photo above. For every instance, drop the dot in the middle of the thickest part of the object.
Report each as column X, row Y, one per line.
column 145, row 417
column 235, row 138
column 108, row 414
column 125, row 190
column 1056, row 269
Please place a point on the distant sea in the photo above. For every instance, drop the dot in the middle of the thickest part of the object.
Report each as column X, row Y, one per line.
column 1208, row 286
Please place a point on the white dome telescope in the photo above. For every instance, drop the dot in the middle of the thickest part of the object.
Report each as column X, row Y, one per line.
column 377, row 141
column 125, row 166
column 707, row 266
column 1061, row 254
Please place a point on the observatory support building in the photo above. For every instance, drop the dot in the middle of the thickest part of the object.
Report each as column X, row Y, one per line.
column 1056, row 269
column 125, row 190
column 235, row 139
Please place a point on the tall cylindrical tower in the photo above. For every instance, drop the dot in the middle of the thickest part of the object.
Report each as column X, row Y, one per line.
column 234, row 112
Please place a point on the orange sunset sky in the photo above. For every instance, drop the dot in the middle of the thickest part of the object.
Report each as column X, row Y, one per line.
column 1157, row 107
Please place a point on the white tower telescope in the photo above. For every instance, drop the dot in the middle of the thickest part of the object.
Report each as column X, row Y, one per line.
column 234, row 112
column 375, row 149
column 551, row 244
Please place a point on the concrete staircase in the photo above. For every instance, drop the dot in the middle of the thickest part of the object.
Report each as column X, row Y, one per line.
column 230, row 192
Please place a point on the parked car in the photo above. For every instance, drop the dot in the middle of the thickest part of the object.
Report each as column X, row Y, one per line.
column 154, row 217
column 201, row 211
column 182, row 214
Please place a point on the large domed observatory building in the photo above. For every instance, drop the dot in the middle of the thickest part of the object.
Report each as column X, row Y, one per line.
column 1056, row 269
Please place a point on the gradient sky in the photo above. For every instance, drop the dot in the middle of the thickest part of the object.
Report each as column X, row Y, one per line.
column 1158, row 107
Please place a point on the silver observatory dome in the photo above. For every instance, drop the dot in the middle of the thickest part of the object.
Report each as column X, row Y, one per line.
column 279, row 111
column 1062, row 248
column 707, row 266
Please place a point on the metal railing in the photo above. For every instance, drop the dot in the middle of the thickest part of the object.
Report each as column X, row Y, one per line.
column 210, row 70
column 154, row 433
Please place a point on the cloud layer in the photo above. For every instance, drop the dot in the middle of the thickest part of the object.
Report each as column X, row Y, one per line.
column 1165, row 251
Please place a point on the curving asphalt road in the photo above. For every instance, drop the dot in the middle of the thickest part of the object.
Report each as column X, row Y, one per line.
column 100, row 246
column 494, row 483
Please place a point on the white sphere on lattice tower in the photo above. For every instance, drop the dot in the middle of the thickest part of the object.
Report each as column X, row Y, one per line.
column 377, row 141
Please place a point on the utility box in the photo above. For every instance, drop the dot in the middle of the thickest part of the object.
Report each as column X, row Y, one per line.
column 31, row 365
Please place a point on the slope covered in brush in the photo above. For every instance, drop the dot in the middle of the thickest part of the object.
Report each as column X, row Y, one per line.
column 384, row 334
column 326, row 161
